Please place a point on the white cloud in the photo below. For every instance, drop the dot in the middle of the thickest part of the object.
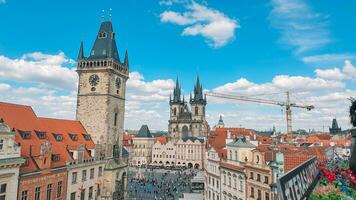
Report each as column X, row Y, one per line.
column 300, row 26
column 347, row 72
column 327, row 58
column 39, row 68
column 330, row 74
column 215, row 26
column 170, row 2
column 147, row 101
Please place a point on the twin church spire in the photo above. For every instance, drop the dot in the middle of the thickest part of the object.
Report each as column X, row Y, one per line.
column 197, row 98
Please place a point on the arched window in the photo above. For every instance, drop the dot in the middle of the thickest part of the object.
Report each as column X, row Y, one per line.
column 174, row 111
column 230, row 155
column 196, row 110
column 236, row 155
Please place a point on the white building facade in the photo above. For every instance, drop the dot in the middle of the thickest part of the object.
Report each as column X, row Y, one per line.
column 164, row 154
column 10, row 161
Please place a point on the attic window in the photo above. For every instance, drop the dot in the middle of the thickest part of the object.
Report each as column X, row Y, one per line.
column 87, row 137
column 55, row 157
column 102, row 34
column 58, row 137
column 73, row 137
column 25, row 134
column 26, row 163
column 40, row 134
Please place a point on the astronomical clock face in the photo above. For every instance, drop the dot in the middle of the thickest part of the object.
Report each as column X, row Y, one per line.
column 94, row 80
column 118, row 83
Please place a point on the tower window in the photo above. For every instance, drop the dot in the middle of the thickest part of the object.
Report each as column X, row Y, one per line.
column 102, row 34
column 175, row 111
column 196, row 110
column 115, row 119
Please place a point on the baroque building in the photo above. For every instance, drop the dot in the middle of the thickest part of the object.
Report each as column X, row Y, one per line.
column 101, row 105
column 184, row 122
column 10, row 162
column 142, row 147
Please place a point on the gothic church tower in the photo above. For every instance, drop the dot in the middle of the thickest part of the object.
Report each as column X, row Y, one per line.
column 101, row 102
column 198, row 104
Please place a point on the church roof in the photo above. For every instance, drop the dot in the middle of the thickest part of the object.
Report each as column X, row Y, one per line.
column 193, row 139
column 144, row 132
column 240, row 141
column 105, row 44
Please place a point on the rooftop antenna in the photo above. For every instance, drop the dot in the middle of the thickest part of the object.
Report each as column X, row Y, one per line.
column 103, row 15
column 110, row 14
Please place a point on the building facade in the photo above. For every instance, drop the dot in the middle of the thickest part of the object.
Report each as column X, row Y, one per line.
column 212, row 175
column 101, row 105
column 164, row 154
column 190, row 152
column 184, row 122
column 142, row 147
column 10, row 162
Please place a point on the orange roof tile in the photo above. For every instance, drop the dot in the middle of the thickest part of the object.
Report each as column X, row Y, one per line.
column 162, row 140
column 23, row 118
column 232, row 166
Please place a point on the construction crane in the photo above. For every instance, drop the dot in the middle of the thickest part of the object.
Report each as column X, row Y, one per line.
column 287, row 104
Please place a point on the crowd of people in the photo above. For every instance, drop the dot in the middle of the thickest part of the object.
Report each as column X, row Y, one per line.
column 159, row 184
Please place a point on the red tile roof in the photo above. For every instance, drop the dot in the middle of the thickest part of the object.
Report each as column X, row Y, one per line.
column 162, row 139
column 23, row 118
column 232, row 166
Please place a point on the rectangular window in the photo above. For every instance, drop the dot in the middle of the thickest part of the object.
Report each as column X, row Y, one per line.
column 59, row 189
column 259, row 195
column 91, row 192
column 24, row 195
column 100, row 173
column 74, row 177
column 84, row 175
column 266, row 179
column 115, row 119
column 252, row 192
column 82, row 195
column 98, row 191
column 251, row 175
column 91, row 173
column 258, row 177
column 37, row 193
column 72, row 196
column 3, row 191
column 1, row 144
column 49, row 191
column 267, row 196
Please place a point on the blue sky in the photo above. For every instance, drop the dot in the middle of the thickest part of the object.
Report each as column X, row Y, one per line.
column 236, row 46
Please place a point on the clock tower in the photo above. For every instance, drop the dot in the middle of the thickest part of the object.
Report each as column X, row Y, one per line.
column 101, row 104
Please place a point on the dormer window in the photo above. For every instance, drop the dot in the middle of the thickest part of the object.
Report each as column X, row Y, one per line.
column 73, row 137
column 25, row 134
column 41, row 135
column 26, row 163
column 58, row 137
column 55, row 157
column 102, row 34
column 87, row 137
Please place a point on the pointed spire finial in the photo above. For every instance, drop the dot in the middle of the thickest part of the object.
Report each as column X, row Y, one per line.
column 81, row 51
column 110, row 14
column 103, row 15
column 126, row 61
